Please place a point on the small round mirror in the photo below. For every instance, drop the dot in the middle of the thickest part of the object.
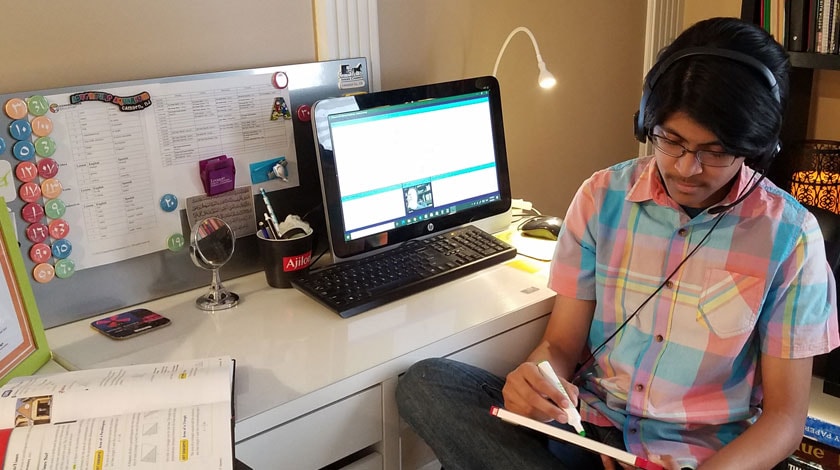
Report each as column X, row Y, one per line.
column 211, row 246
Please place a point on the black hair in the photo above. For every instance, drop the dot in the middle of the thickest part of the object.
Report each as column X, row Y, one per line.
column 731, row 99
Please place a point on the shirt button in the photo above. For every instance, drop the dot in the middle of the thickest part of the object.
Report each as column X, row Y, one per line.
column 682, row 232
column 669, row 284
column 639, row 387
column 659, row 338
column 632, row 430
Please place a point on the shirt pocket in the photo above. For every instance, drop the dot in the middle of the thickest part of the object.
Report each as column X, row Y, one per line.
column 729, row 302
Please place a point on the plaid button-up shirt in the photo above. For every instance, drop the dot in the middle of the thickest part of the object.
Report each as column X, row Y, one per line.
column 682, row 377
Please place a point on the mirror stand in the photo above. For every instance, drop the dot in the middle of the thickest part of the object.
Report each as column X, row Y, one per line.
column 211, row 246
column 218, row 297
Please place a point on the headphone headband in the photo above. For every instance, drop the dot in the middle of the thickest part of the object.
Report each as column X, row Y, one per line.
column 661, row 67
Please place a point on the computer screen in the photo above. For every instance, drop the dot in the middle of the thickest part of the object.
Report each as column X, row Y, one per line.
column 399, row 164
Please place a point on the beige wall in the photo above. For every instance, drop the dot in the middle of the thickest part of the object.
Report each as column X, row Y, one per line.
column 555, row 138
column 49, row 44
column 696, row 10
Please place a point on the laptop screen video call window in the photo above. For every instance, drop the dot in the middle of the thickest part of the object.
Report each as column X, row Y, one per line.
column 408, row 163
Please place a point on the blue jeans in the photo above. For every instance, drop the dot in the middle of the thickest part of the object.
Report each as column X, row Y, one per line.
column 447, row 403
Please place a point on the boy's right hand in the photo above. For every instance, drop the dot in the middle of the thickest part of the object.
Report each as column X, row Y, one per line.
column 527, row 392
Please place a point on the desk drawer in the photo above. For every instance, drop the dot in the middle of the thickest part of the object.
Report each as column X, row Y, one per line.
column 318, row 438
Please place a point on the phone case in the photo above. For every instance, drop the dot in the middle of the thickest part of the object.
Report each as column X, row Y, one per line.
column 127, row 324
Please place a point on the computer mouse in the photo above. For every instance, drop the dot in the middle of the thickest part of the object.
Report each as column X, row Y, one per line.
column 542, row 226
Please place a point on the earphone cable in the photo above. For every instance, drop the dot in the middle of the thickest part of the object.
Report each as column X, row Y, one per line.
column 581, row 366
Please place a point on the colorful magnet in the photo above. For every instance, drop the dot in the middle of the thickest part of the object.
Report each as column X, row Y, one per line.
column 51, row 188
column 26, row 171
column 65, row 268
column 37, row 232
column 280, row 80
column 59, row 229
column 175, row 242
column 20, row 129
column 61, row 248
column 40, row 253
column 2, row 146
column 29, row 192
column 37, row 105
column 168, row 202
column 42, row 126
column 23, row 150
column 16, row 108
column 55, row 208
column 280, row 109
column 47, row 168
column 304, row 112
column 45, row 146
column 32, row 212
column 43, row 273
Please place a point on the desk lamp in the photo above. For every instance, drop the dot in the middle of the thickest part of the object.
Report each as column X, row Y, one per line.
column 546, row 79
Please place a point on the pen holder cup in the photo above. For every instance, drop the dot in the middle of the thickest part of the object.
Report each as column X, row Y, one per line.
column 285, row 259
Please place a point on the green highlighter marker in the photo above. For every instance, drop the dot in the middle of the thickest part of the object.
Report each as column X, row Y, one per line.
column 571, row 412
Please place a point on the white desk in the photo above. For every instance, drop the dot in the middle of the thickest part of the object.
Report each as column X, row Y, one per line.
column 313, row 388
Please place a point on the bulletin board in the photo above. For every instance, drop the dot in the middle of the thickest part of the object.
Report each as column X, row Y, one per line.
column 103, row 181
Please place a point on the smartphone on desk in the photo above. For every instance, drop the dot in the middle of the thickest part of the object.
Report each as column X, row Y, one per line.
column 127, row 324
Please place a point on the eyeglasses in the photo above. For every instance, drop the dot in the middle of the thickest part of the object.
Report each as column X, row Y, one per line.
column 705, row 157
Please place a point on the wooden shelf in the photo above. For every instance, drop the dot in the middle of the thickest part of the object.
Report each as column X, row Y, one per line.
column 811, row 60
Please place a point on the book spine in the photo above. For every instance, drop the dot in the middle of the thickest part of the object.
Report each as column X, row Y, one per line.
column 829, row 43
column 812, row 25
column 781, row 21
column 826, row 456
column 835, row 25
column 750, row 11
column 795, row 463
column 766, row 9
column 819, row 26
column 822, row 431
column 826, row 10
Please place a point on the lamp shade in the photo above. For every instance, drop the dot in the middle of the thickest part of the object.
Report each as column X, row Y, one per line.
column 815, row 179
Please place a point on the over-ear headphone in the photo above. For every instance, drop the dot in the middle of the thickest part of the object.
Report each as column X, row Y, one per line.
column 761, row 162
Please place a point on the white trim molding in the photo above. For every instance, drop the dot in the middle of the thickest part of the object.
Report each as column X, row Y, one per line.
column 349, row 28
column 664, row 22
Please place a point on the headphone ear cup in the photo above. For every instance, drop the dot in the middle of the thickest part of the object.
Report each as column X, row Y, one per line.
column 763, row 162
column 639, row 128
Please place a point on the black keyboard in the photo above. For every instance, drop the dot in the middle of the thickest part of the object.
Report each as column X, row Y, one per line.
column 355, row 286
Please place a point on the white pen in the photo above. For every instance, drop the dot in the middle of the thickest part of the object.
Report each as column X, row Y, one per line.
column 571, row 412
column 272, row 217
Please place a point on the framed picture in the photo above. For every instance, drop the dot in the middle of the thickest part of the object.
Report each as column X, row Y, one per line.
column 23, row 343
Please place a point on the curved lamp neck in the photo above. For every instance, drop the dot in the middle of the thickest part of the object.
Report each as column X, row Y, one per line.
column 546, row 79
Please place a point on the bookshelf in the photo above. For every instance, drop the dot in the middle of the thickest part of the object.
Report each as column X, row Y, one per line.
column 795, row 129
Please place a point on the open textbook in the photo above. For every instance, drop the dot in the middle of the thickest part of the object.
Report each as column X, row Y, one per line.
column 175, row 415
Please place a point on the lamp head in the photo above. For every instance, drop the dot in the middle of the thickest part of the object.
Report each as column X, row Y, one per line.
column 546, row 78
